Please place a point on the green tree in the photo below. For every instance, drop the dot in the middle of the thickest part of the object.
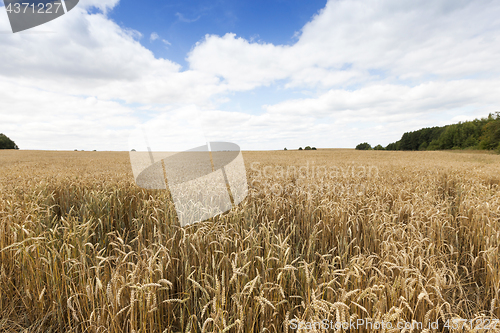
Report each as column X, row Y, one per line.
column 285, row 148
column 434, row 145
column 423, row 146
column 364, row 146
column 471, row 142
column 393, row 146
column 307, row 148
column 378, row 147
column 300, row 148
column 313, row 148
column 6, row 143
column 491, row 135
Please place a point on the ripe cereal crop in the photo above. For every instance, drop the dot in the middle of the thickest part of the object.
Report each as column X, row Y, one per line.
column 335, row 235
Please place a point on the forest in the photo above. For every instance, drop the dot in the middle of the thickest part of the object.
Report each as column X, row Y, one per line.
column 478, row 134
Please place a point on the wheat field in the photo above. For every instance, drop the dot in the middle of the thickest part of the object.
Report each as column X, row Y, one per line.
column 335, row 235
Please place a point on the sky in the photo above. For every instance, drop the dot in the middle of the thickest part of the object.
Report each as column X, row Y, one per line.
column 263, row 74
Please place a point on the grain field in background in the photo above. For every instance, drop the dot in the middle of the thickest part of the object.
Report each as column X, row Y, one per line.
column 381, row 236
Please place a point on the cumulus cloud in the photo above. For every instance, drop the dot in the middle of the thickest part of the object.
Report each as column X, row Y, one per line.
column 86, row 47
column 91, row 55
column 349, row 40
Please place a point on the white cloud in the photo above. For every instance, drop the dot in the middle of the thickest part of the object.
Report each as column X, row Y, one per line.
column 154, row 36
column 50, row 120
column 389, row 99
column 91, row 55
column 348, row 39
column 85, row 48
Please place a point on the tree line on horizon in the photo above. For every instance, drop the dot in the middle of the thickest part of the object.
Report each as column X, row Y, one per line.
column 477, row 134
column 306, row 148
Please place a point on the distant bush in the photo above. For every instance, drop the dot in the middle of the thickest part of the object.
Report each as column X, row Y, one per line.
column 6, row 143
column 313, row 148
column 285, row 148
column 300, row 148
column 307, row 148
column 378, row 147
column 364, row 146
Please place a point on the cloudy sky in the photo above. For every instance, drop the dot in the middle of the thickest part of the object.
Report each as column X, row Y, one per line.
column 265, row 74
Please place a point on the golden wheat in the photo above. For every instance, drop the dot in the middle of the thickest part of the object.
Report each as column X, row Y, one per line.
column 335, row 235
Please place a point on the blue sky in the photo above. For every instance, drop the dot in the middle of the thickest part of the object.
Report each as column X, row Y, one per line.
column 183, row 23
column 262, row 74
